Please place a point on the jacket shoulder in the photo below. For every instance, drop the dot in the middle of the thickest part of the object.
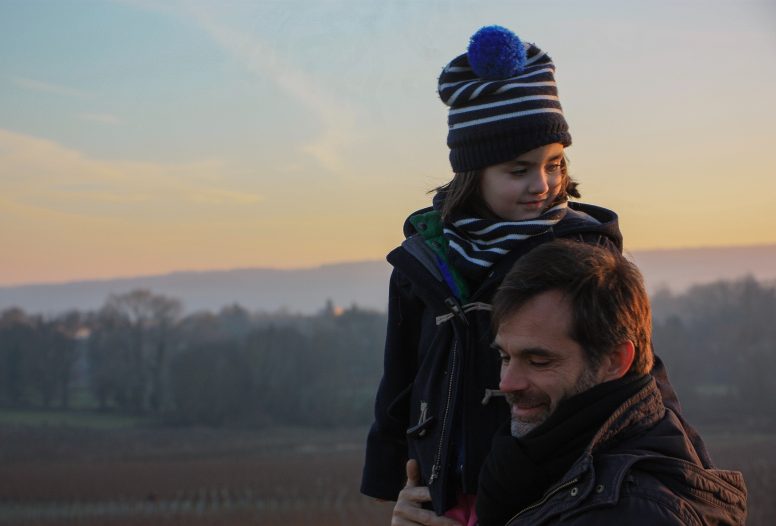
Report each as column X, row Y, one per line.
column 635, row 489
column 637, row 506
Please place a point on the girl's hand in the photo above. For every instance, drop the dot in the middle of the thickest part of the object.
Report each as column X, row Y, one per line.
column 408, row 510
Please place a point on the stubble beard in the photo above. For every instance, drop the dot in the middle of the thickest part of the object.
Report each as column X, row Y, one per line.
column 520, row 428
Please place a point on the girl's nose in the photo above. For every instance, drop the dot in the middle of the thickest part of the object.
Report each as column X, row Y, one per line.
column 539, row 184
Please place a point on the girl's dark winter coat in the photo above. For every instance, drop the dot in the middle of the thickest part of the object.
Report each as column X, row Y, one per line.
column 433, row 403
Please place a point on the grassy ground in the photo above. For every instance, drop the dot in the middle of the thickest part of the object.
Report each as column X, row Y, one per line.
column 82, row 419
column 141, row 476
column 150, row 476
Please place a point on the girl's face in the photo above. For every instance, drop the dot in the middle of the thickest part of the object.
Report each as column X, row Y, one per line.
column 524, row 187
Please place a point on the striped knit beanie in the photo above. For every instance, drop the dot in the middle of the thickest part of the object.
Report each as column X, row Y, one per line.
column 503, row 101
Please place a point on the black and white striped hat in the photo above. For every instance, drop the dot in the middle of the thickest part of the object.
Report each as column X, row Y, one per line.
column 503, row 101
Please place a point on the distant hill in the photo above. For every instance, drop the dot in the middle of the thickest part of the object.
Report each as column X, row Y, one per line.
column 679, row 269
column 362, row 283
column 259, row 289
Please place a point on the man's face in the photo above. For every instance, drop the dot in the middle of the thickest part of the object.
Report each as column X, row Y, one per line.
column 540, row 364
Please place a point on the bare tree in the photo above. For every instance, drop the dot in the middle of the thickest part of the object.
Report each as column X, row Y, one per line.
column 132, row 340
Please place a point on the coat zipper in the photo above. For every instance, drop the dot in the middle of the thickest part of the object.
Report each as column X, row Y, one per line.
column 438, row 460
column 543, row 499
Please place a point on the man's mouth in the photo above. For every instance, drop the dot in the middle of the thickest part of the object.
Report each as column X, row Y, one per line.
column 527, row 412
column 527, row 408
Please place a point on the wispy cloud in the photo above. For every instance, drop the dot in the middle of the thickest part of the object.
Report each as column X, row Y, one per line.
column 47, row 87
column 337, row 120
column 102, row 118
column 148, row 5
column 45, row 174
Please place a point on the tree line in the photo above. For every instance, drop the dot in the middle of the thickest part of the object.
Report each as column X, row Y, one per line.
column 139, row 355
column 719, row 342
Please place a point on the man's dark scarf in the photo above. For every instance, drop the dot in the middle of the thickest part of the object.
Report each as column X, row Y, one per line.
column 517, row 472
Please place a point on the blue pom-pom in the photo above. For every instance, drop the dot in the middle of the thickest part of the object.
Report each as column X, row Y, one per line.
column 496, row 53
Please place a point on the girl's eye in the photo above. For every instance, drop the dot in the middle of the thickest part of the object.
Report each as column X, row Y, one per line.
column 518, row 171
column 552, row 167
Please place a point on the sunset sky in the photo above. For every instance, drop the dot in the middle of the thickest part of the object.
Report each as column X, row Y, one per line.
column 142, row 137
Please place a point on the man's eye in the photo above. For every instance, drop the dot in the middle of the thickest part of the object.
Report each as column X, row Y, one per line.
column 539, row 363
column 504, row 359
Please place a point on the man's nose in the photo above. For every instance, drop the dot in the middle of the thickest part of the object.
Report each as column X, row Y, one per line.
column 512, row 379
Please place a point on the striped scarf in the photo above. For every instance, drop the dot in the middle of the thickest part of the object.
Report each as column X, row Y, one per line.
column 475, row 244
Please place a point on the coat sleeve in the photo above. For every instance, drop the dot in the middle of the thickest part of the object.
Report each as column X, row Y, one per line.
column 386, row 448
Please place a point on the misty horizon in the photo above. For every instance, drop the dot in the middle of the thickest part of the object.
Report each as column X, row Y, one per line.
column 362, row 283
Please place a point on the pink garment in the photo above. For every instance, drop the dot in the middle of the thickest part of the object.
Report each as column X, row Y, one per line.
column 464, row 510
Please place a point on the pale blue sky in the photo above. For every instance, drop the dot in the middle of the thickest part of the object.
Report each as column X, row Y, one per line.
column 159, row 136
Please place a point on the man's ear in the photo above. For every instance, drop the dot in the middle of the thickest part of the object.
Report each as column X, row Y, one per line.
column 617, row 362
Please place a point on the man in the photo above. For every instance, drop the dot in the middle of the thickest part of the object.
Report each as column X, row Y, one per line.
column 590, row 440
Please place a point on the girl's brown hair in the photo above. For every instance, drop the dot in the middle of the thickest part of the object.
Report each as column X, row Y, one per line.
column 462, row 193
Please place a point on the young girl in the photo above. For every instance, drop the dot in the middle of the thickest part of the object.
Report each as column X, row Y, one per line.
column 510, row 192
